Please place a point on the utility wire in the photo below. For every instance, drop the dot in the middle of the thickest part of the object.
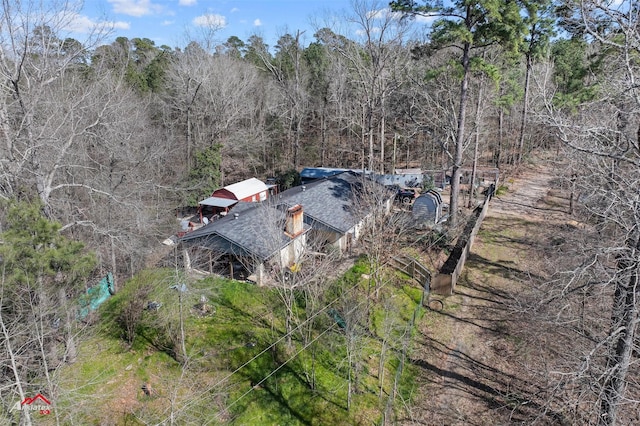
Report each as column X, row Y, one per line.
column 252, row 388
column 291, row 358
column 203, row 394
column 228, row 376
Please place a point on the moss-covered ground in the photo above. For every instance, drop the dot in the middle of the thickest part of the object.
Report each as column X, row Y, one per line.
column 343, row 363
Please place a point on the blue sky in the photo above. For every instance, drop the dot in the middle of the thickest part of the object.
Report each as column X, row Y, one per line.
column 169, row 21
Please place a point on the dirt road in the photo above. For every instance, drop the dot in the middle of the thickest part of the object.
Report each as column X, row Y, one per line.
column 471, row 357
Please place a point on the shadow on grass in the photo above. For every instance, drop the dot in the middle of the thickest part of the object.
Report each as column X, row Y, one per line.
column 255, row 319
column 291, row 393
column 498, row 329
column 303, row 418
column 529, row 206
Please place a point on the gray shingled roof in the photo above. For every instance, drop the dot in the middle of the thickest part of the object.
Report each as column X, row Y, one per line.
column 251, row 229
column 329, row 202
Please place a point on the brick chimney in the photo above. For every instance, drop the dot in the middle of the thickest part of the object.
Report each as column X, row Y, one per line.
column 294, row 224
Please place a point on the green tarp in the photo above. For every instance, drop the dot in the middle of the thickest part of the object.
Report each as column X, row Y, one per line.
column 96, row 296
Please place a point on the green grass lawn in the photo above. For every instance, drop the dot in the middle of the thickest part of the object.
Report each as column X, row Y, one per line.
column 239, row 369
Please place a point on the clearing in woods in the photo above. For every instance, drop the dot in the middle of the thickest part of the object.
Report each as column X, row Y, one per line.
column 475, row 356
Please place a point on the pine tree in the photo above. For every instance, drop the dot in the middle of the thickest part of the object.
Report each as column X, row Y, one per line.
column 41, row 275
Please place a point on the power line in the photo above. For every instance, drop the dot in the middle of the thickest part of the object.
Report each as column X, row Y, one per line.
column 290, row 333
column 251, row 389
column 228, row 376
column 287, row 361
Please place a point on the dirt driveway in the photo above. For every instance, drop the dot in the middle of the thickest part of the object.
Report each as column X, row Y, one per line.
column 473, row 356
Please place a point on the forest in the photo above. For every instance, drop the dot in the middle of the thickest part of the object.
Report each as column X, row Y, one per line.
column 106, row 143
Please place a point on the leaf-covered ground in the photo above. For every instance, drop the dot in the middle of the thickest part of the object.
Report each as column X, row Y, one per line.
column 479, row 357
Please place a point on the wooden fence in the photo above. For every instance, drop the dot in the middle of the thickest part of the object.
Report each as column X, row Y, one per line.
column 415, row 270
column 444, row 283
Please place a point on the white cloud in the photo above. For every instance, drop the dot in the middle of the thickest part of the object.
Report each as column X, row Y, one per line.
column 210, row 20
column 378, row 14
column 374, row 30
column 81, row 24
column 257, row 23
column 84, row 25
column 167, row 23
column 425, row 19
column 119, row 25
column 234, row 10
column 187, row 2
column 135, row 7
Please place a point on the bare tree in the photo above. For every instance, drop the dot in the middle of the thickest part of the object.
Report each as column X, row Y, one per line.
column 289, row 74
column 292, row 265
column 382, row 230
column 77, row 138
column 376, row 64
column 39, row 75
column 211, row 98
column 41, row 277
column 604, row 135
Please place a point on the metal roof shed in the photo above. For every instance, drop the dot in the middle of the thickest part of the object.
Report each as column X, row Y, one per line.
column 248, row 190
column 218, row 202
column 427, row 208
column 309, row 174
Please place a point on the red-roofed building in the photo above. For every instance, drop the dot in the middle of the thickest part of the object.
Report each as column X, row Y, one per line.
column 223, row 199
column 251, row 190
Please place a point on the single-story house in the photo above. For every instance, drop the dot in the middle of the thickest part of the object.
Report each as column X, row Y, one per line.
column 275, row 234
column 255, row 236
column 331, row 209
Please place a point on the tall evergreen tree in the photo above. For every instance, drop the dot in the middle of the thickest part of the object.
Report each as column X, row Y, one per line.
column 539, row 22
column 466, row 25
column 41, row 274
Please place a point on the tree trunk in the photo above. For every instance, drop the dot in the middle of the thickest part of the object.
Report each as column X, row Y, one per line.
column 497, row 156
column 457, row 158
column 323, row 136
column 369, row 129
column 474, row 166
column 26, row 420
column 183, row 348
column 624, row 320
column 525, row 110
column 395, row 147
column 382, row 138
column 296, row 144
column 189, row 125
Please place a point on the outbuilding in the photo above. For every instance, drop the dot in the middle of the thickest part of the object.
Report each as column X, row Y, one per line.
column 251, row 190
column 222, row 200
column 427, row 208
